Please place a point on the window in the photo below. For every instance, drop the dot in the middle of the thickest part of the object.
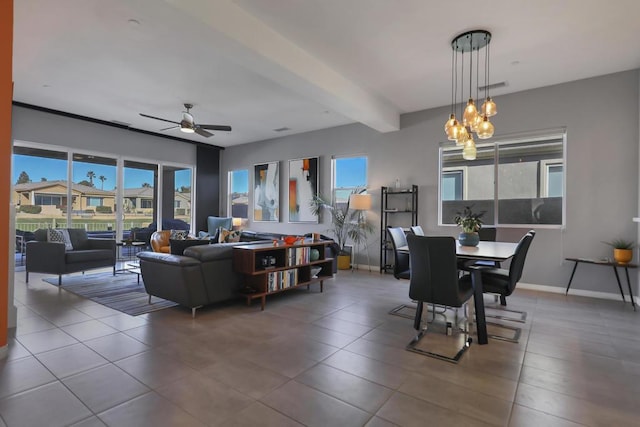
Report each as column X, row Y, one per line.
column 238, row 194
column 516, row 181
column 452, row 181
column 49, row 200
column 94, row 201
column 348, row 174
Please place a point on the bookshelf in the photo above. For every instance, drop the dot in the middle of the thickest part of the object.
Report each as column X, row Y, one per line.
column 398, row 208
column 270, row 268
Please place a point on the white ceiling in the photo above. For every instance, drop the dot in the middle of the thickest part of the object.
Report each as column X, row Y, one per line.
column 259, row 65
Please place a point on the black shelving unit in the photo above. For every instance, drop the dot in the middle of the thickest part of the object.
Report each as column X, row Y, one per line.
column 398, row 208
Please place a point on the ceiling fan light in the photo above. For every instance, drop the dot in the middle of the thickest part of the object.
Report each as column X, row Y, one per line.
column 186, row 129
column 486, row 129
column 489, row 108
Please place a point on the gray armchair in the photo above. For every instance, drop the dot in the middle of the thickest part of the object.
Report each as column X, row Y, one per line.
column 52, row 258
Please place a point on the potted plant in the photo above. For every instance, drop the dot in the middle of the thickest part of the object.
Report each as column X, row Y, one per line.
column 345, row 224
column 470, row 223
column 622, row 250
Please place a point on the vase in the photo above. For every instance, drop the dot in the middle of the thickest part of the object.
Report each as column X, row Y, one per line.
column 469, row 239
column 344, row 262
column 622, row 256
column 314, row 255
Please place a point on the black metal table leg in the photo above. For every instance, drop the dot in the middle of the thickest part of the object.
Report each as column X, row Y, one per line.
column 615, row 270
column 478, row 300
column 571, row 278
column 633, row 303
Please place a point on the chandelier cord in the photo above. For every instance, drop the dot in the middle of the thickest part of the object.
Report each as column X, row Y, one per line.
column 462, row 85
column 452, row 82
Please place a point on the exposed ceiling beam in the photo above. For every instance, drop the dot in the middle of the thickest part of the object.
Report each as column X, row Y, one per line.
column 259, row 48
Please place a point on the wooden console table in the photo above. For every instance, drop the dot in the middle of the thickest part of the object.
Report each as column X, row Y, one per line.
column 270, row 268
column 615, row 266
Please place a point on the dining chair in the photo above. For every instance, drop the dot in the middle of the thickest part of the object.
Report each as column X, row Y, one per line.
column 435, row 280
column 417, row 230
column 503, row 282
column 400, row 267
column 401, row 259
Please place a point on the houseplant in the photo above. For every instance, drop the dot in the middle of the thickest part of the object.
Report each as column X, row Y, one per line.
column 622, row 250
column 345, row 224
column 470, row 223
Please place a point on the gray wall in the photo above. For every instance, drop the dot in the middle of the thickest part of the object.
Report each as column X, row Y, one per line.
column 41, row 127
column 601, row 116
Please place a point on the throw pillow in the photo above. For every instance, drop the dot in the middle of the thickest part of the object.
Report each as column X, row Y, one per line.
column 228, row 236
column 60, row 236
column 178, row 246
column 178, row 234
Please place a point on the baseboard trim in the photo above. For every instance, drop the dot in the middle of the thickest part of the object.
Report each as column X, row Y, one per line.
column 578, row 292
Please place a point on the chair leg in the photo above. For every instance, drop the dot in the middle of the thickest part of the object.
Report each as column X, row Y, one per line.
column 503, row 300
column 59, row 279
column 26, row 277
column 418, row 318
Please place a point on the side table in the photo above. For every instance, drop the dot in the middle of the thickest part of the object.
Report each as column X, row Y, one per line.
column 615, row 266
column 133, row 247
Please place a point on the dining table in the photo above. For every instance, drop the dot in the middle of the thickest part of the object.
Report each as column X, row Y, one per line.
column 485, row 250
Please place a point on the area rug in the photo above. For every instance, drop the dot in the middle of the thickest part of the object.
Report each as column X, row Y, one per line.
column 120, row 292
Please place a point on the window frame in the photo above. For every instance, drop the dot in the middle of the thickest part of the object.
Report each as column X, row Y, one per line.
column 530, row 137
column 334, row 188
column 230, row 173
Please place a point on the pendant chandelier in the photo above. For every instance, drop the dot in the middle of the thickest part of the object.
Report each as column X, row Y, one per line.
column 472, row 120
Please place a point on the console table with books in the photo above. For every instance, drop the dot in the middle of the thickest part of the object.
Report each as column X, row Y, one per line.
column 270, row 268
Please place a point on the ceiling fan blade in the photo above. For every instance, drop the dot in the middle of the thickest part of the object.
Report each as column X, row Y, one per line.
column 216, row 127
column 158, row 118
column 202, row 132
column 169, row 128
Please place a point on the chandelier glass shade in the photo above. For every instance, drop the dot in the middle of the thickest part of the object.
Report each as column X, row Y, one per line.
column 473, row 118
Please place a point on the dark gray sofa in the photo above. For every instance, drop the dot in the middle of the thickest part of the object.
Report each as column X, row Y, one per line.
column 52, row 258
column 203, row 275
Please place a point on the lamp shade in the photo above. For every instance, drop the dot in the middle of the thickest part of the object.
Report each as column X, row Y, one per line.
column 360, row 202
column 236, row 222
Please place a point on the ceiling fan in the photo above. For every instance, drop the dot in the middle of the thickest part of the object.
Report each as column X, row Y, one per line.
column 188, row 125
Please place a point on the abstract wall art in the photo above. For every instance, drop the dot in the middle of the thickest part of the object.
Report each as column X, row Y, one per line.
column 303, row 187
column 266, row 197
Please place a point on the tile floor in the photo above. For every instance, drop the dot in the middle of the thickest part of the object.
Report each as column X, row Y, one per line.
column 330, row 359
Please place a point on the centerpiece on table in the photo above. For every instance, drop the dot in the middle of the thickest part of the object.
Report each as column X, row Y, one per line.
column 470, row 223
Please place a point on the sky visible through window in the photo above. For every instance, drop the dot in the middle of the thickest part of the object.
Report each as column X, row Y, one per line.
column 351, row 172
column 240, row 181
column 54, row 169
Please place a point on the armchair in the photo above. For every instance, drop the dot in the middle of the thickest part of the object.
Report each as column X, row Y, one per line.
column 53, row 258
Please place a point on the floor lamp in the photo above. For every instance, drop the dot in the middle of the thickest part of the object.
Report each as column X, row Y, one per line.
column 360, row 203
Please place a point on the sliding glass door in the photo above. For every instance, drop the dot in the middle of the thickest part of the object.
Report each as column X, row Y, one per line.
column 139, row 198
column 93, row 194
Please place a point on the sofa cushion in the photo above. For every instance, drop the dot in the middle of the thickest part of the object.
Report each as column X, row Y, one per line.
column 178, row 234
column 217, row 251
column 229, row 236
column 60, row 236
column 167, row 258
column 79, row 238
column 88, row 255
column 178, row 246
